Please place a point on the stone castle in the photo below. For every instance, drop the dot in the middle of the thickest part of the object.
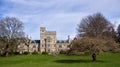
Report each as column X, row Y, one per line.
column 47, row 43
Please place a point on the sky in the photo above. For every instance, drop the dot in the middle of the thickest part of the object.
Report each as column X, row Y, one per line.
column 61, row 16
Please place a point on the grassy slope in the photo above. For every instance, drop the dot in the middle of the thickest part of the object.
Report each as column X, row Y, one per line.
column 104, row 60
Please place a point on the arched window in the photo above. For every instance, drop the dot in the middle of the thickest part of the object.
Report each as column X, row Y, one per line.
column 34, row 46
column 49, row 39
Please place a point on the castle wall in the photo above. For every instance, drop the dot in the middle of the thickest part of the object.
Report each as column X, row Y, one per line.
column 62, row 46
column 48, row 41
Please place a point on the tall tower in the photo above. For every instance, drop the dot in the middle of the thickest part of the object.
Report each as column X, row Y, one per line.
column 47, row 40
column 42, row 38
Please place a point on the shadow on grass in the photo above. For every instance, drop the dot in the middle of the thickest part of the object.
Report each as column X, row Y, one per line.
column 77, row 61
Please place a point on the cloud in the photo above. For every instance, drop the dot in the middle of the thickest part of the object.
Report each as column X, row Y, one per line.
column 115, row 22
column 57, row 15
column 64, row 23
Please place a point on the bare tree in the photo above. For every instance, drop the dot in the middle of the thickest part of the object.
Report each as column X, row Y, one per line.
column 118, row 30
column 118, row 34
column 95, row 25
column 27, row 41
column 11, row 32
column 94, row 46
column 94, row 36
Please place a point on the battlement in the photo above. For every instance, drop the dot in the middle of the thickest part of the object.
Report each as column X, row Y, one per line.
column 43, row 28
column 50, row 32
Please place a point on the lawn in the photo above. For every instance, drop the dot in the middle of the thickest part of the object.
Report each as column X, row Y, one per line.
column 103, row 60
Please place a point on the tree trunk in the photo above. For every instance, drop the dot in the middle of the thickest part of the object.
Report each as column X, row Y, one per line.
column 93, row 57
column 28, row 47
column 6, row 53
column 6, row 50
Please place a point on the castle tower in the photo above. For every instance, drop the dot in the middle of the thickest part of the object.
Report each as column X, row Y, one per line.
column 42, row 34
column 42, row 38
column 47, row 40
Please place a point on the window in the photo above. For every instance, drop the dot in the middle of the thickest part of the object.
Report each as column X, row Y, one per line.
column 48, row 50
column 42, row 30
column 60, row 46
column 49, row 39
column 34, row 46
column 43, row 41
column 54, row 45
column 42, row 45
column 48, row 45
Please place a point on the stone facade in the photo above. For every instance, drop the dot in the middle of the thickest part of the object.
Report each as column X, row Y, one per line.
column 33, row 46
column 47, row 43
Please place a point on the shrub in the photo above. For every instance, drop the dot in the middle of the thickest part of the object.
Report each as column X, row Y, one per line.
column 90, row 45
column 44, row 52
column 62, row 52
column 16, row 53
column 35, row 52
column 26, row 53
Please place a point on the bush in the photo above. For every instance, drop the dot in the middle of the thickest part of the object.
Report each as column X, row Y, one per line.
column 16, row 53
column 35, row 52
column 88, row 45
column 26, row 53
column 44, row 52
column 62, row 52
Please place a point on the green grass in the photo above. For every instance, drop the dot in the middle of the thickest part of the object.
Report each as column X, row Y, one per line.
column 103, row 60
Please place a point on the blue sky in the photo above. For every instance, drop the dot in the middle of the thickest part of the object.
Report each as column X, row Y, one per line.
column 57, row 15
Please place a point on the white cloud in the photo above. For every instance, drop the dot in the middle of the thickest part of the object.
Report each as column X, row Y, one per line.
column 64, row 23
column 115, row 22
column 61, row 16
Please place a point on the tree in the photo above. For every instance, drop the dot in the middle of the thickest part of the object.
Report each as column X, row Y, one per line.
column 95, row 35
column 94, row 46
column 11, row 33
column 27, row 41
column 94, row 26
column 117, row 39
column 118, row 30
column 117, row 36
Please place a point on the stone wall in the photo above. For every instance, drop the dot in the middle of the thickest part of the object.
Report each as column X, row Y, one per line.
column 47, row 42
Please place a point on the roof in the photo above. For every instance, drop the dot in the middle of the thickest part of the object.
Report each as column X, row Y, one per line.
column 35, row 41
